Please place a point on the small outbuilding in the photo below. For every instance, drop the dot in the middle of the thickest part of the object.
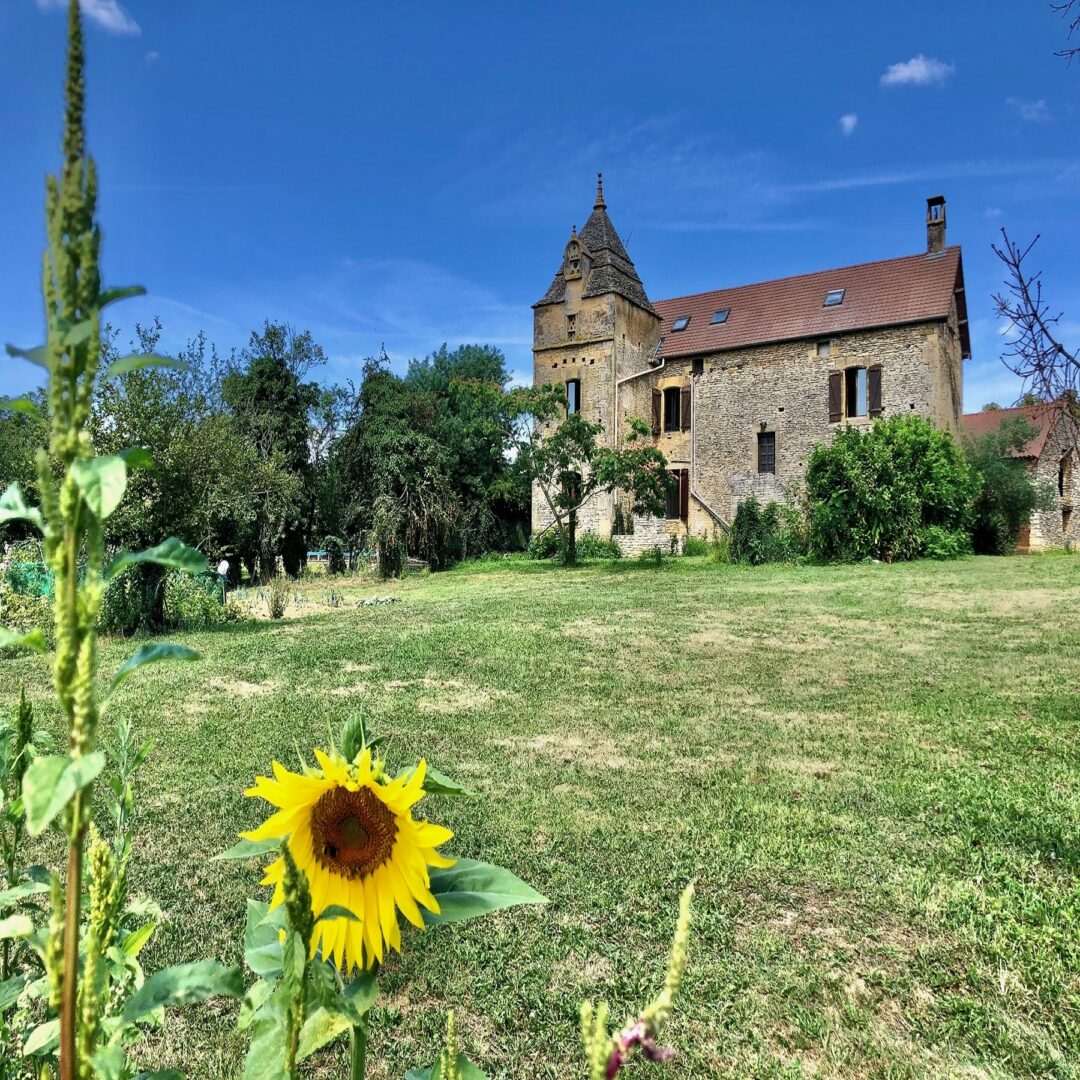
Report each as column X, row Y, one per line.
column 1051, row 458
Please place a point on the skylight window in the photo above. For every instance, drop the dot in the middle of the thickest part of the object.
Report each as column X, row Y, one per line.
column 681, row 323
column 834, row 297
column 720, row 316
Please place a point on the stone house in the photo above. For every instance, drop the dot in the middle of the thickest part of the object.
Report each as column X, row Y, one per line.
column 741, row 383
column 1051, row 458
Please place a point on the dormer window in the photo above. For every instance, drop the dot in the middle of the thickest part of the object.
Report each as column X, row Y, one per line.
column 720, row 316
column 681, row 323
column 834, row 297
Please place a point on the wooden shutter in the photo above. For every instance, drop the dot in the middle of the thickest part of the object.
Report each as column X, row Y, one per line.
column 684, row 493
column 873, row 390
column 657, row 411
column 836, row 409
column 685, row 409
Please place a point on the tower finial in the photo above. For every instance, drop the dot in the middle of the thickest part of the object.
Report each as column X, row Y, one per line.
column 600, row 204
column 573, row 231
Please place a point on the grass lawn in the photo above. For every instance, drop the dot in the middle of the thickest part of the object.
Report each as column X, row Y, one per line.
column 871, row 771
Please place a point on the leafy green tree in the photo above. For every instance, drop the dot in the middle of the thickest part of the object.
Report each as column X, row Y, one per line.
column 569, row 467
column 889, row 492
column 1007, row 495
column 273, row 405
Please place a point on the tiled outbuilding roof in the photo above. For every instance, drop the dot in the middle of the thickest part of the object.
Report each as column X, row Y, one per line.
column 1042, row 418
column 911, row 289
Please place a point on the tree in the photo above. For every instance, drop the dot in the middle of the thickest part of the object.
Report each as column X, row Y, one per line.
column 1069, row 10
column 274, row 406
column 1006, row 496
column 1036, row 351
column 570, row 468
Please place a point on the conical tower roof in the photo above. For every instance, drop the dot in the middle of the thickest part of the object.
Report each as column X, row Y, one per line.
column 611, row 270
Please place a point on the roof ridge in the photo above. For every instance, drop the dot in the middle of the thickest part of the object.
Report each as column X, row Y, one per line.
column 808, row 274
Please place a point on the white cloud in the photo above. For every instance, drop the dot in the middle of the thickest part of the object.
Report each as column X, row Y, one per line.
column 152, row 56
column 1035, row 112
column 992, row 212
column 848, row 122
column 108, row 14
column 918, row 71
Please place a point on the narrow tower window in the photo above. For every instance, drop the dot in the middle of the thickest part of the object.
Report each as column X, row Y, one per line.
column 573, row 396
column 571, row 327
column 766, row 452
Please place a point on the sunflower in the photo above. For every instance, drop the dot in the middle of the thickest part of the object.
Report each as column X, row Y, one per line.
column 353, row 835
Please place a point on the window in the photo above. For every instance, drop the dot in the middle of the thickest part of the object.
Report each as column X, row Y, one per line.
column 571, row 327
column 834, row 297
column 671, row 408
column 677, row 500
column 855, row 391
column 671, row 509
column 573, row 396
column 824, row 348
column 1065, row 475
column 766, row 452
column 720, row 316
column 681, row 323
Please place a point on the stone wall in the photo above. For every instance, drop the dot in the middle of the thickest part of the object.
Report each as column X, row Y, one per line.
column 1060, row 525
column 651, row 532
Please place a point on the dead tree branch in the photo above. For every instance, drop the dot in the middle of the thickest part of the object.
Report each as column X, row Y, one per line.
column 1070, row 10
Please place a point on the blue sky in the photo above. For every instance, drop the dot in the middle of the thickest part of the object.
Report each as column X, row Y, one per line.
column 408, row 173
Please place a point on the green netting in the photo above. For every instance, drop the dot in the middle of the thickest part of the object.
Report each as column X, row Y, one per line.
column 30, row 579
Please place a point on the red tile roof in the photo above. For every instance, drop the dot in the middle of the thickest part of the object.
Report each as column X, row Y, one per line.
column 912, row 289
column 1041, row 417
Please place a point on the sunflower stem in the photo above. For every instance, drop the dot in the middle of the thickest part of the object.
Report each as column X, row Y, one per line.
column 358, row 1054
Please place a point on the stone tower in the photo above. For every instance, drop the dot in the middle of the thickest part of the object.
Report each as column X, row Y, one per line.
column 593, row 327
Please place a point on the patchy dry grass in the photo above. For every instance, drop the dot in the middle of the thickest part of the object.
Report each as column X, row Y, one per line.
column 871, row 771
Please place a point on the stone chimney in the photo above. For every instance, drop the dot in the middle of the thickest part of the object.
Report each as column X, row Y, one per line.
column 935, row 224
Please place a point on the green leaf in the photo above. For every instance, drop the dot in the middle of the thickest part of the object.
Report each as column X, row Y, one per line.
column 249, row 849
column 469, row 888
column 22, row 404
column 33, row 640
column 172, row 553
column 151, row 654
column 256, row 997
column 51, row 782
column 136, row 361
column 161, row 1074
column 10, row 991
column 78, row 333
column 466, row 1069
column 28, row 888
column 184, row 984
column 336, row 911
column 320, row 1028
column 262, row 941
column 44, row 1039
column 135, row 941
column 122, row 292
column 102, row 481
column 437, row 783
column 108, row 1062
column 39, row 355
column 15, row 926
column 353, row 737
column 266, row 1056
column 13, row 507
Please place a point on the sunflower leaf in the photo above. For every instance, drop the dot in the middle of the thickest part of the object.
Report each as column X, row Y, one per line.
column 184, row 984
column 249, row 849
column 320, row 1028
column 10, row 897
column 469, row 888
column 44, row 1039
column 121, row 292
column 262, row 942
column 438, row 783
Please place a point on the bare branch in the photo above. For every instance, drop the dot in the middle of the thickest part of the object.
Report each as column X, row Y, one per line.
column 1070, row 10
column 1034, row 350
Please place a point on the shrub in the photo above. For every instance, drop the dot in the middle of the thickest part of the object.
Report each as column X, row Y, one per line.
column 194, row 603
column 720, row 548
column 335, row 555
column 773, row 533
column 591, row 546
column 872, row 494
column 939, row 543
column 545, row 545
column 277, row 596
column 695, row 545
column 1006, row 495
